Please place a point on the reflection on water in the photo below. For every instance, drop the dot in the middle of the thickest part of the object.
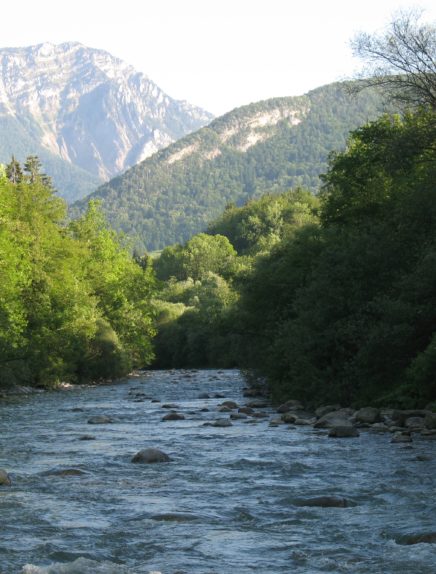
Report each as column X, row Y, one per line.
column 226, row 503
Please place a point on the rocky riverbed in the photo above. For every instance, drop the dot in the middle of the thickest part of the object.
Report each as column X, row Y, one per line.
column 187, row 472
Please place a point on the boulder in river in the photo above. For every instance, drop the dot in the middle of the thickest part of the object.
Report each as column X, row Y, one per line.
column 173, row 417
column 430, row 421
column 150, row 456
column 291, row 405
column 246, row 410
column 221, row 423
column 66, row 472
column 369, row 415
column 5, row 479
column 420, row 538
column 325, row 409
column 100, row 420
column 333, row 419
column 325, row 502
column 229, row 404
column 401, row 437
column 414, row 423
column 343, row 432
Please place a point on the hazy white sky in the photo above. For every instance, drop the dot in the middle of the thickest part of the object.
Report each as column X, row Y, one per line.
column 218, row 54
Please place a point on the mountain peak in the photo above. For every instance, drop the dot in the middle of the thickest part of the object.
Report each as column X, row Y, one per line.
column 88, row 108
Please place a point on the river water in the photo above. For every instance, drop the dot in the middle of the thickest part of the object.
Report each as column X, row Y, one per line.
column 227, row 503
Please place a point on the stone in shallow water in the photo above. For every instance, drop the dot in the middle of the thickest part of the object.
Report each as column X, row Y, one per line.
column 230, row 405
column 343, row 432
column 66, row 472
column 5, row 479
column 173, row 417
column 219, row 423
column 419, row 538
column 401, row 437
column 100, row 420
column 325, row 502
column 150, row 456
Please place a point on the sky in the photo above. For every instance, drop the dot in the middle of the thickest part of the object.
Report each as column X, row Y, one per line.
column 217, row 54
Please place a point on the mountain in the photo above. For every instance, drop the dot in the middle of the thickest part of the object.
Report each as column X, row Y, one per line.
column 269, row 146
column 88, row 115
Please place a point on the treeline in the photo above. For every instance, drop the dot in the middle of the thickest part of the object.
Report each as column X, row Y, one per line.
column 330, row 298
column 74, row 305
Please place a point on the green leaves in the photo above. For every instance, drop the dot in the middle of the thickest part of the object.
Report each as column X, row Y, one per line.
column 74, row 305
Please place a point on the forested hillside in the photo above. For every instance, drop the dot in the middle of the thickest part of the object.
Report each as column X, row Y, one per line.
column 268, row 146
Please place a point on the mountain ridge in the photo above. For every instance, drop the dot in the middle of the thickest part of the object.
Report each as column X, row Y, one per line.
column 267, row 146
column 86, row 107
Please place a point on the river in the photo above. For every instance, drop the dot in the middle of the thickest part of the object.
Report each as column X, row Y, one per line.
column 226, row 503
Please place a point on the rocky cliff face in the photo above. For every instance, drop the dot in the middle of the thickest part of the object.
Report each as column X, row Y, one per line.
column 88, row 108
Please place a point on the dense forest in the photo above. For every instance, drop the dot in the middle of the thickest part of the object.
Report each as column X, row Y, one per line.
column 74, row 305
column 329, row 298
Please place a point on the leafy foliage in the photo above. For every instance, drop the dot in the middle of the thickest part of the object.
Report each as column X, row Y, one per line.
column 73, row 304
column 345, row 311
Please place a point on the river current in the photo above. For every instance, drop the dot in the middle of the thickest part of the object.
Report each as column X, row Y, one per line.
column 226, row 503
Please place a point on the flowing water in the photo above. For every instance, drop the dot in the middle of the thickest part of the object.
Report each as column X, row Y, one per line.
column 228, row 502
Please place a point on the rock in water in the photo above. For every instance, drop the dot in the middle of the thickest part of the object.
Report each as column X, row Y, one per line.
column 422, row 538
column 100, row 420
column 150, row 456
column 400, row 437
column 325, row 502
column 369, row 415
column 5, row 479
column 173, row 417
column 343, row 432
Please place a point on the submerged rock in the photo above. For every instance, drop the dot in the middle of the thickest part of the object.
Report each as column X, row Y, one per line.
column 333, row 419
column 430, row 421
column 326, row 409
column 174, row 517
column 173, row 417
column 66, row 472
column 100, row 420
column 150, row 456
column 343, row 432
column 291, row 405
column 419, row 538
column 401, row 437
column 5, row 479
column 326, row 502
column 230, row 405
column 221, row 423
column 246, row 410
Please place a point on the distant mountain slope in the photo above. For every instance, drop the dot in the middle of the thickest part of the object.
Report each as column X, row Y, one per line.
column 267, row 146
column 87, row 114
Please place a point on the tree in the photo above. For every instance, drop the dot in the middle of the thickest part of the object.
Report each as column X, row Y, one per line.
column 13, row 171
column 32, row 167
column 402, row 60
